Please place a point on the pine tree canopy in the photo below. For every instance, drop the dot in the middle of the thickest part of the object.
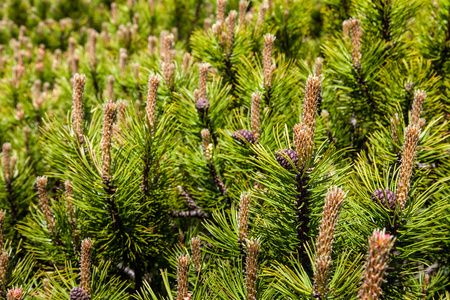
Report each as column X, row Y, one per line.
column 224, row 149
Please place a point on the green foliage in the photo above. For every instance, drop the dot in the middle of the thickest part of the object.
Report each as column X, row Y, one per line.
column 168, row 183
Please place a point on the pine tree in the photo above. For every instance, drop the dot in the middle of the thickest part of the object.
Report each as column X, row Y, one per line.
column 224, row 149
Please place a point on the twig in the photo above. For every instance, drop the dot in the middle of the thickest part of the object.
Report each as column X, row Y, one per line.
column 303, row 218
column 112, row 208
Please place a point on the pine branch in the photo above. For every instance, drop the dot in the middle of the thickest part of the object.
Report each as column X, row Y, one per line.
column 303, row 211
column 217, row 180
column 189, row 214
column 191, row 202
column 112, row 208
column 195, row 212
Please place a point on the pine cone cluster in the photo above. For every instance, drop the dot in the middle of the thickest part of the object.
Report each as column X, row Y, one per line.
column 243, row 133
column 202, row 105
column 381, row 195
column 78, row 294
column 281, row 155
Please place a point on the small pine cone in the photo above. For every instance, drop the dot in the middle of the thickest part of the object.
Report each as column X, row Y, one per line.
column 78, row 294
column 380, row 195
column 243, row 133
column 280, row 155
column 202, row 105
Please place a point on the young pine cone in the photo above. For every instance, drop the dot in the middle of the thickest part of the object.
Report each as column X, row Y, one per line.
column 78, row 294
column 243, row 133
column 281, row 155
column 202, row 105
column 380, row 195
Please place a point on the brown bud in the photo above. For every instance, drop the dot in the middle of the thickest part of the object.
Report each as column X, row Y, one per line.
column 71, row 49
column 206, row 141
column 333, row 204
column 230, row 24
column 92, row 48
column 380, row 245
column 203, row 79
column 421, row 123
column 312, row 94
column 243, row 5
column 251, row 268
column 356, row 33
column 114, row 12
column 196, row 253
column 186, row 61
column 123, row 56
column 261, row 15
column 75, row 64
column 318, row 66
column 419, row 98
column 304, row 144
column 346, row 28
column 221, row 11
column 69, row 195
column 85, row 262
column 105, row 34
column 3, row 268
column 6, row 161
column 14, row 294
column 169, row 48
column 20, row 113
column 77, row 108
column 255, row 115
column 196, row 94
column 162, row 44
column 244, row 206
column 168, row 70
column 111, row 88
column 207, row 24
column 137, row 69
column 151, row 45
column 411, row 139
column 36, row 93
column 153, row 83
column 269, row 39
column 109, row 114
column 182, row 277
